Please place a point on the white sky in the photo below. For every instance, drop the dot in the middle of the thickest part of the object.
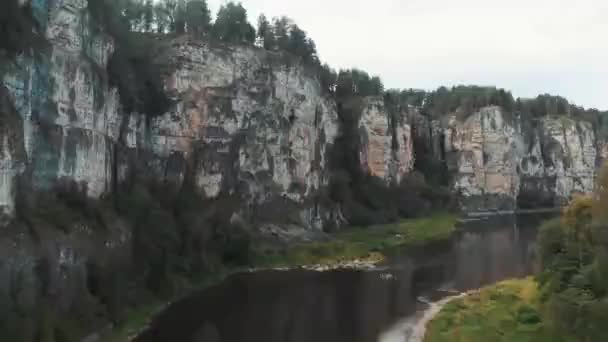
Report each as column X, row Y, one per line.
column 527, row 46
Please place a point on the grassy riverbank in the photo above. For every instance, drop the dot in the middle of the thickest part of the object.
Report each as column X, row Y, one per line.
column 371, row 244
column 508, row 311
column 368, row 245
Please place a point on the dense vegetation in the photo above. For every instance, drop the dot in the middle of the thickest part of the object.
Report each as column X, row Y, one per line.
column 464, row 100
column 574, row 257
column 177, row 239
column 366, row 244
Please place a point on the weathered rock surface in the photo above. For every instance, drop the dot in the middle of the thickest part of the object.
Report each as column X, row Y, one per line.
column 499, row 161
column 69, row 114
column 386, row 142
column 242, row 121
column 245, row 121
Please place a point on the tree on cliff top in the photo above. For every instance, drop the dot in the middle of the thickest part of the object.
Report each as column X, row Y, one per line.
column 265, row 33
column 302, row 46
column 357, row 82
column 180, row 17
column 232, row 26
column 198, row 17
column 281, row 32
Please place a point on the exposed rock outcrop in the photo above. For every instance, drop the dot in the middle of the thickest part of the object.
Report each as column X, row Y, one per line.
column 386, row 142
column 69, row 114
column 244, row 121
column 241, row 120
column 500, row 161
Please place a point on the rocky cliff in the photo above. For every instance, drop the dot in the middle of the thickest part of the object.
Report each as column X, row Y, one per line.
column 386, row 142
column 68, row 117
column 240, row 119
column 498, row 160
column 242, row 122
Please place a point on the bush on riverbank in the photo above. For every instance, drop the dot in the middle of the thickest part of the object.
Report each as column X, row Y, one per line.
column 574, row 259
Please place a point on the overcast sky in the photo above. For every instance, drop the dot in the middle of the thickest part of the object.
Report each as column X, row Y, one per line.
column 527, row 46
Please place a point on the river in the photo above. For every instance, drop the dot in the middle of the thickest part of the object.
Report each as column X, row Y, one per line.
column 387, row 304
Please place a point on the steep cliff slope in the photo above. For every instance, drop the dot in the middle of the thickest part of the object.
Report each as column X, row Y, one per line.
column 242, row 121
column 69, row 115
column 386, row 142
column 243, row 124
column 498, row 160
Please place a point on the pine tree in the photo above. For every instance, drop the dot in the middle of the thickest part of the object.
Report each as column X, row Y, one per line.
column 148, row 15
column 281, row 32
column 297, row 41
column 180, row 17
column 265, row 33
column 162, row 18
column 198, row 17
column 232, row 26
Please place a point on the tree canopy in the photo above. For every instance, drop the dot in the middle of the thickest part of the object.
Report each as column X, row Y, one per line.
column 232, row 26
column 358, row 82
column 574, row 261
column 198, row 17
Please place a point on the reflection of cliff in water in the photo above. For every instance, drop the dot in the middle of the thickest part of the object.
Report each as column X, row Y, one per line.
column 353, row 306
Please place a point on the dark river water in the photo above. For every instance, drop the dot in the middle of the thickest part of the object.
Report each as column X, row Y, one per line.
column 348, row 305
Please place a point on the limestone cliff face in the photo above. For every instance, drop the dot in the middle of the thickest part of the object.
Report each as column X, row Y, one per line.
column 386, row 142
column 499, row 161
column 59, row 120
column 69, row 116
column 243, row 120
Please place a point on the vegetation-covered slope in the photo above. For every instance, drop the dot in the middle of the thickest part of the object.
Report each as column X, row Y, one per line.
column 506, row 312
column 567, row 300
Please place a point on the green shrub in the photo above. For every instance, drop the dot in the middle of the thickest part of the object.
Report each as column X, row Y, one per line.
column 528, row 315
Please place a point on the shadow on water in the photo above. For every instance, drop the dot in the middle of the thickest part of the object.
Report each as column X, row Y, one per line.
column 353, row 306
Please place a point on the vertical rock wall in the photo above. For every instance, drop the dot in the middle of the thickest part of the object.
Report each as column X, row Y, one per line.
column 69, row 115
column 247, row 121
column 500, row 161
column 386, row 142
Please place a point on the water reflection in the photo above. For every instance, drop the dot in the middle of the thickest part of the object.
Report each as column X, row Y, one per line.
column 353, row 306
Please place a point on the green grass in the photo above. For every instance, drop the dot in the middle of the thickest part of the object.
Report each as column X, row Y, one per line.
column 370, row 244
column 508, row 311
